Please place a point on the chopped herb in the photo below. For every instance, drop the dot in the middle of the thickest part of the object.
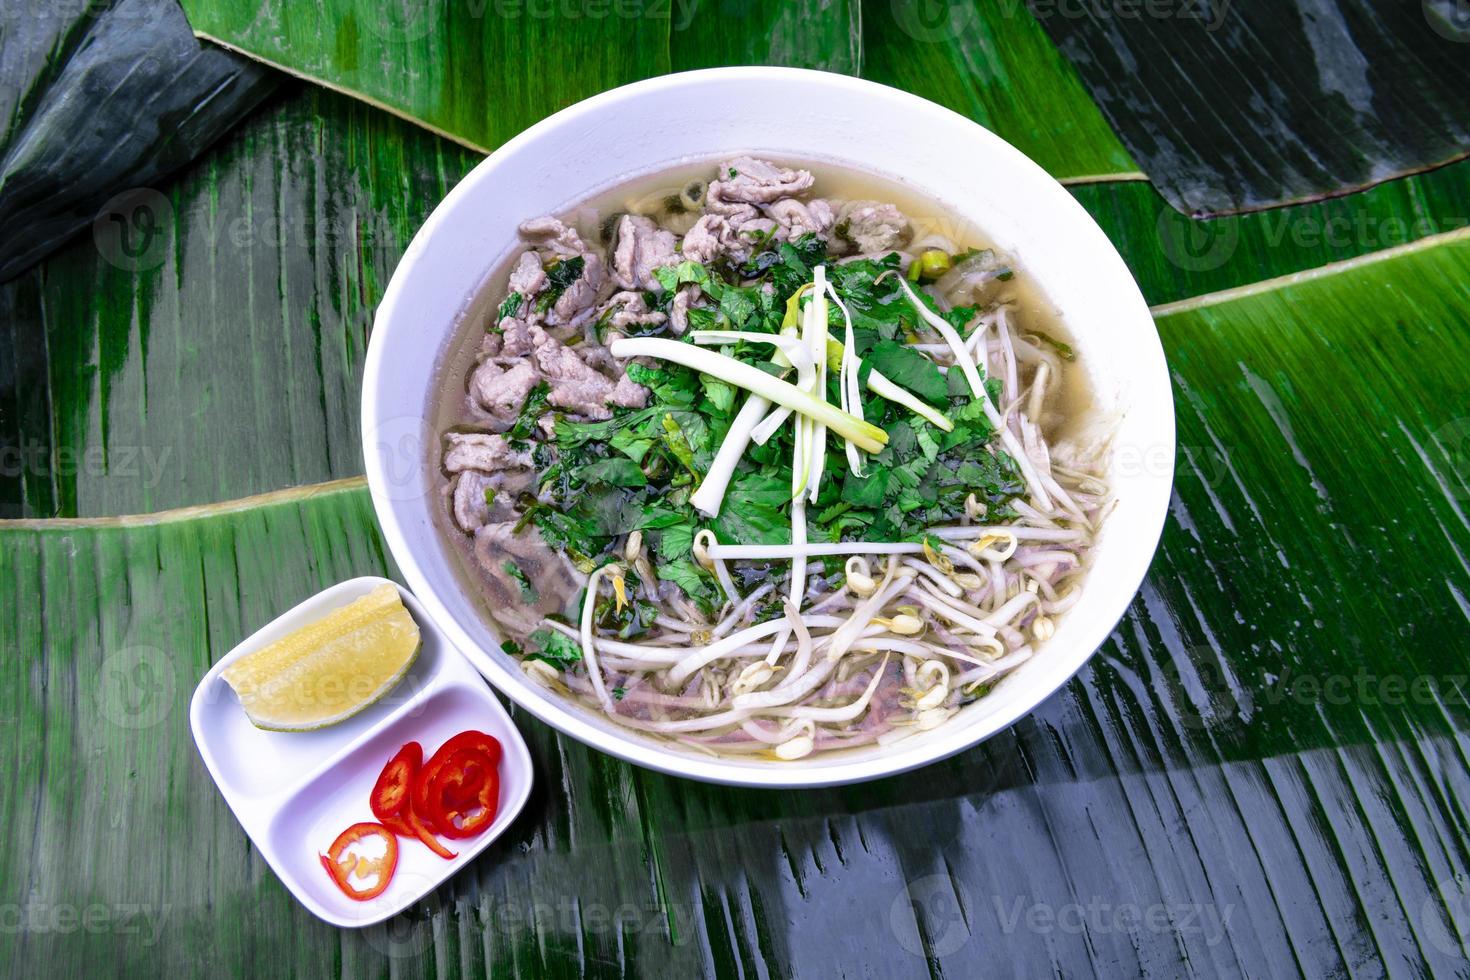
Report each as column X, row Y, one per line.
column 615, row 471
column 531, row 412
column 510, row 306
column 909, row 369
column 561, row 651
column 619, row 693
column 1063, row 350
column 528, row 590
column 558, row 278
column 689, row 577
column 678, row 443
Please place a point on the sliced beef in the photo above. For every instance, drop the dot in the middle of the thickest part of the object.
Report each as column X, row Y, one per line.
column 468, row 492
column 641, row 247
column 629, row 309
column 468, row 504
column 549, row 233
column 872, row 226
column 497, row 393
column 746, row 180
column 796, row 218
column 628, row 393
column 575, row 385
column 703, row 243
column 528, row 278
column 732, row 238
column 553, row 580
column 515, row 337
column 578, row 301
column 482, row 451
column 679, row 311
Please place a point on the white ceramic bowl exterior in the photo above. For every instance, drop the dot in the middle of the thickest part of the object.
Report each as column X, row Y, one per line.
column 790, row 113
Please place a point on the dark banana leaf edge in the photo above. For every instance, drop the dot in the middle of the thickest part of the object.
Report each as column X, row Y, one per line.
column 102, row 102
column 1232, row 107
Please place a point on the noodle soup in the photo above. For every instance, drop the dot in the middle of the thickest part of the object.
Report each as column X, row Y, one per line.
column 767, row 457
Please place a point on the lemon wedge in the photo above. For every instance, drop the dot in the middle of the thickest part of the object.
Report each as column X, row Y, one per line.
column 330, row 669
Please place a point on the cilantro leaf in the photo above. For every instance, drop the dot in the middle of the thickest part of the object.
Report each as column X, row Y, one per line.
column 557, row 649
column 720, row 394
column 531, row 412
column 615, row 471
column 528, row 589
column 909, row 369
column 671, row 277
column 687, row 576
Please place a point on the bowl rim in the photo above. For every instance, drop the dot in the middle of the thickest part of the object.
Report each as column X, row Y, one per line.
column 572, row 719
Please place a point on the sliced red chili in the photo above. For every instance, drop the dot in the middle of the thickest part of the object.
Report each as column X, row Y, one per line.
column 342, row 865
column 465, row 793
column 471, row 739
column 444, row 808
column 391, row 792
column 408, row 824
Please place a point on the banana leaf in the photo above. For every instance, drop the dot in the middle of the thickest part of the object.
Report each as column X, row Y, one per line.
column 1234, row 107
column 1262, row 772
column 993, row 63
column 474, row 72
column 101, row 101
column 224, row 357
column 825, row 34
column 477, row 73
column 1173, row 256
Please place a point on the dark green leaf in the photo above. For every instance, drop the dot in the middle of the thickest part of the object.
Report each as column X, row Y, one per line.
column 100, row 102
column 911, row 370
column 477, row 72
column 1356, row 92
column 557, row 649
column 529, row 594
column 993, row 63
column 615, row 471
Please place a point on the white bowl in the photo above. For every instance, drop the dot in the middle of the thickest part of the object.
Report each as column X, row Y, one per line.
column 787, row 113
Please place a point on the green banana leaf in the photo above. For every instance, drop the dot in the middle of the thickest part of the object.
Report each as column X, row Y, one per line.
column 477, row 72
column 995, row 65
column 1234, row 107
column 1262, row 771
column 826, row 35
column 101, row 101
column 241, row 321
column 1174, row 257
